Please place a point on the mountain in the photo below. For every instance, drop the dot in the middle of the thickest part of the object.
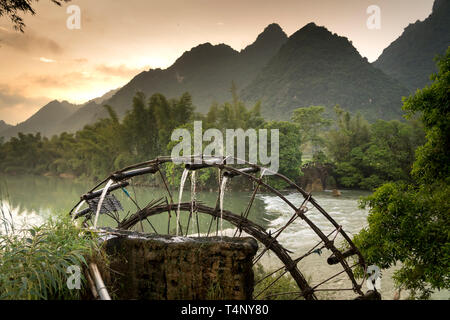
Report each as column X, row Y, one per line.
column 206, row 72
column 312, row 67
column 316, row 67
column 4, row 126
column 85, row 114
column 104, row 97
column 46, row 120
column 410, row 57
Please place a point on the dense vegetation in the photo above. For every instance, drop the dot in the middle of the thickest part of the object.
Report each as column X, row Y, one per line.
column 368, row 155
column 409, row 222
column 363, row 155
column 144, row 133
column 34, row 262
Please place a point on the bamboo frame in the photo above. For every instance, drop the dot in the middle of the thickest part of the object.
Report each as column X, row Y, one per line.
column 241, row 222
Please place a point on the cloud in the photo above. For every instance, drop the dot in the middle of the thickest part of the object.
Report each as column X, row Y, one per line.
column 28, row 42
column 15, row 106
column 46, row 60
column 10, row 98
column 69, row 79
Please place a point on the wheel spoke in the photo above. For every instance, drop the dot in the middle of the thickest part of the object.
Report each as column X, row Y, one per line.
column 245, row 214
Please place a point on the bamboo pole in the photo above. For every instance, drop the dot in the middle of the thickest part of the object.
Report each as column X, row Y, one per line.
column 100, row 285
column 92, row 285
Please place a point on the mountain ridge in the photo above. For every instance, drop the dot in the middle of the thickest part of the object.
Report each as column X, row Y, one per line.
column 272, row 61
column 4, row 126
column 409, row 58
column 206, row 71
column 318, row 67
column 45, row 121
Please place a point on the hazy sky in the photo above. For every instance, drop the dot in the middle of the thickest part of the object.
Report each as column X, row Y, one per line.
column 120, row 38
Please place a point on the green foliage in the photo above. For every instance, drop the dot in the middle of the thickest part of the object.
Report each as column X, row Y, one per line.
column 282, row 287
column 311, row 124
column 410, row 223
column 433, row 104
column 411, row 226
column 34, row 262
column 366, row 156
column 290, row 156
column 104, row 146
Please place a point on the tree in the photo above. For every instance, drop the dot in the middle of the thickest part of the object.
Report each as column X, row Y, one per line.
column 311, row 122
column 13, row 10
column 349, row 132
column 410, row 222
column 290, row 155
column 433, row 105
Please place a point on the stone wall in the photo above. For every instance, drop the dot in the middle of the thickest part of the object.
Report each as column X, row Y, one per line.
column 153, row 267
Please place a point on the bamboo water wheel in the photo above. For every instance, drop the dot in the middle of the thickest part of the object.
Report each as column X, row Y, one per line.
column 101, row 201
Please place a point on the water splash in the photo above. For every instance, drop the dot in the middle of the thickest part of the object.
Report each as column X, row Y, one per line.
column 193, row 196
column 100, row 202
column 183, row 181
column 221, row 196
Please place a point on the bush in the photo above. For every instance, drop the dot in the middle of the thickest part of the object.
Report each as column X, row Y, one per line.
column 34, row 263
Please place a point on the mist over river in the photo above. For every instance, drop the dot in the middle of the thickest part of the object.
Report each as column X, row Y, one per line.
column 33, row 199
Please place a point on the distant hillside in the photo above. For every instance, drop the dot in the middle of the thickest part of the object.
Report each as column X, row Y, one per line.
column 4, row 126
column 206, row 72
column 46, row 120
column 105, row 97
column 410, row 57
column 84, row 115
column 316, row 67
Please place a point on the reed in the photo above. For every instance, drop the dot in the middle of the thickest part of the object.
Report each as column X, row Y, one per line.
column 34, row 260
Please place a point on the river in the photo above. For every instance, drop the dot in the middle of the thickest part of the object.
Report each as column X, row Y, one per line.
column 33, row 199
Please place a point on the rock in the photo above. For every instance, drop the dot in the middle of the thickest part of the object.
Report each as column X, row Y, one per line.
column 157, row 267
column 49, row 174
column 370, row 295
column 67, row 176
column 317, row 186
column 336, row 193
column 308, row 188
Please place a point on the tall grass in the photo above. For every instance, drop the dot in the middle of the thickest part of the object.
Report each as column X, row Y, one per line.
column 280, row 287
column 34, row 260
column 34, row 263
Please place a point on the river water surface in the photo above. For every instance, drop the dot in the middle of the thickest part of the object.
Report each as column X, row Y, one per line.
column 33, row 199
